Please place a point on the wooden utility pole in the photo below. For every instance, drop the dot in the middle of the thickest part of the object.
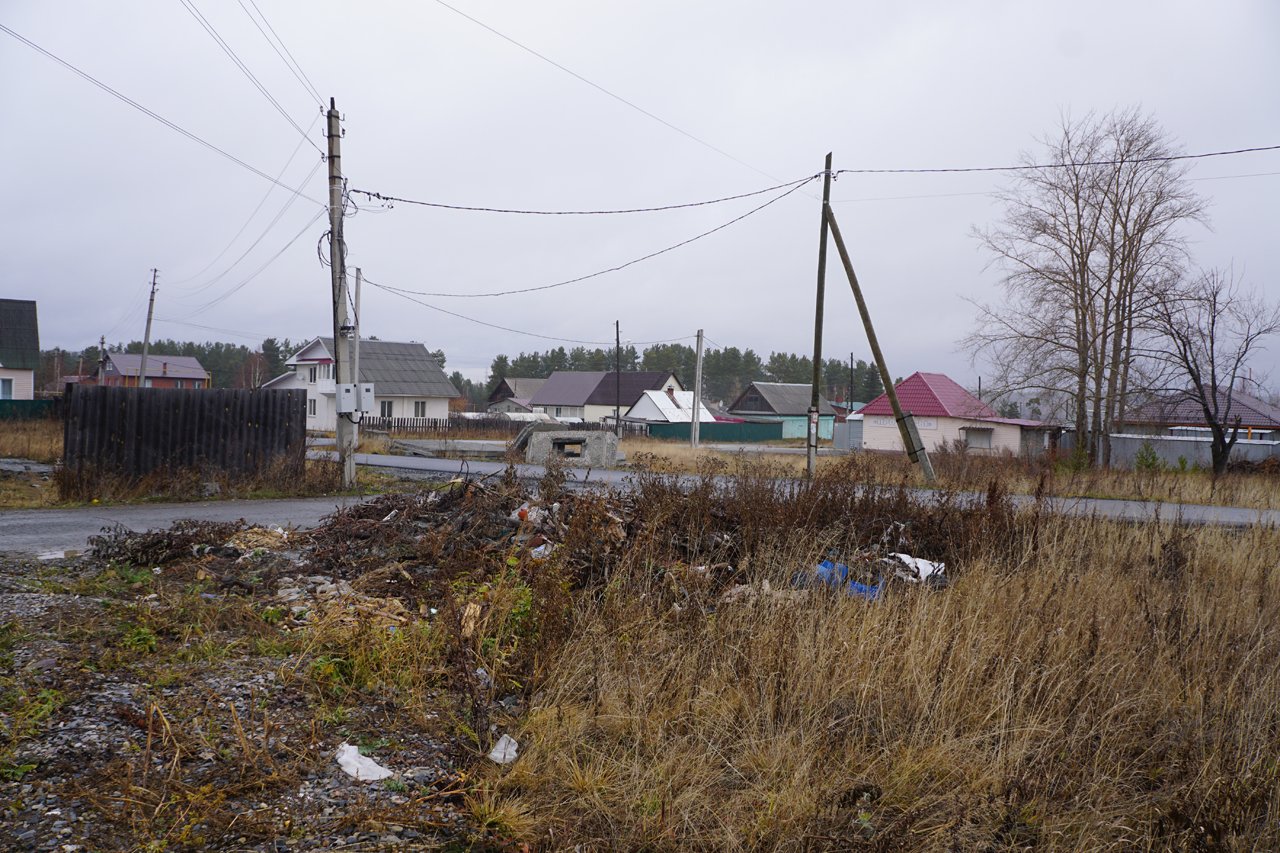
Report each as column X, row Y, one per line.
column 906, row 424
column 695, row 424
column 146, row 337
column 344, row 431
column 812, row 455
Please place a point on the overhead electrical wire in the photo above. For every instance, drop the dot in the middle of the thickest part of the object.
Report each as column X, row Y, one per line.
column 1070, row 165
column 292, row 64
column 190, row 6
column 219, row 299
column 405, row 295
column 265, row 231
column 253, row 214
column 605, row 91
column 241, row 333
column 397, row 200
column 617, row 267
column 151, row 113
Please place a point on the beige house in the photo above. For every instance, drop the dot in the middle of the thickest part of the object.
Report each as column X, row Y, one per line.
column 946, row 415
column 593, row 395
column 19, row 349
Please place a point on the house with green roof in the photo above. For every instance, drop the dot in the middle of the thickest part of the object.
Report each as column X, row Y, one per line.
column 19, row 349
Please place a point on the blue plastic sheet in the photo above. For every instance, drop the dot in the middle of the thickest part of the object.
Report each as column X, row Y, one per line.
column 836, row 576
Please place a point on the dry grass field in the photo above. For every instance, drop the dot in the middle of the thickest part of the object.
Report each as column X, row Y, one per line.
column 1078, row 684
column 37, row 440
column 973, row 472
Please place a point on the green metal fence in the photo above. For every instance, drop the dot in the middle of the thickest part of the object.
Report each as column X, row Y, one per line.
column 28, row 410
column 720, row 431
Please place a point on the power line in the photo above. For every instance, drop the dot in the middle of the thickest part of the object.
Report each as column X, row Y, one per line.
column 249, row 336
column 190, row 6
column 218, row 299
column 618, row 267
column 292, row 64
column 137, row 106
column 605, row 91
column 253, row 214
column 1031, row 166
column 405, row 295
column 396, row 199
column 279, row 214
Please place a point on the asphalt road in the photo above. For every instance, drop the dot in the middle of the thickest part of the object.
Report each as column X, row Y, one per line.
column 41, row 531
column 38, row 531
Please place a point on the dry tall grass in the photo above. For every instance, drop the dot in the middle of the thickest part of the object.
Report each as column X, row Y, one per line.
column 1082, row 685
column 38, row 440
column 972, row 471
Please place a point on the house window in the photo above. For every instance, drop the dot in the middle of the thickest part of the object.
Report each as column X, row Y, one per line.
column 311, row 375
column 419, row 408
column 326, row 371
column 177, row 383
column 977, row 439
column 386, row 408
column 146, row 383
column 557, row 411
column 311, row 408
column 6, row 389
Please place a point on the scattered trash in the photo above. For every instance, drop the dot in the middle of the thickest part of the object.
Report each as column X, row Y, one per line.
column 921, row 570
column 360, row 767
column 837, row 576
column 391, row 516
column 470, row 616
column 542, row 551
column 505, row 750
column 483, row 677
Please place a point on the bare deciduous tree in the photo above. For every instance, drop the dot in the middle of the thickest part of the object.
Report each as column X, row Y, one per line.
column 1087, row 248
column 1207, row 330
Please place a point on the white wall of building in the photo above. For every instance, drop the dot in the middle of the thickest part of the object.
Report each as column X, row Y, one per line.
column 22, row 382
column 880, row 432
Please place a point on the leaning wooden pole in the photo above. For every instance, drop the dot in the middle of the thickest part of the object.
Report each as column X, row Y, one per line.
column 906, row 426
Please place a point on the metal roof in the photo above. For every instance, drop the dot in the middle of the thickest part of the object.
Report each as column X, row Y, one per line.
column 520, row 387
column 400, row 369
column 567, row 388
column 1183, row 409
column 19, row 335
column 625, row 388
column 932, row 395
column 171, row 366
column 677, row 411
column 782, row 398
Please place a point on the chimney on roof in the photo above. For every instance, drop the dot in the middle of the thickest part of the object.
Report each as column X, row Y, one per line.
column 164, row 368
column 671, row 392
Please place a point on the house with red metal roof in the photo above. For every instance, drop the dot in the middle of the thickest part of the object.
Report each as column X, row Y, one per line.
column 948, row 416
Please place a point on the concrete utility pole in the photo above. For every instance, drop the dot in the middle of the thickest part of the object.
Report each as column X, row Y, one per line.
column 694, row 426
column 102, row 359
column 812, row 455
column 355, row 356
column 617, row 377
column 146, row 338
column 906, row 424
column 345, row 429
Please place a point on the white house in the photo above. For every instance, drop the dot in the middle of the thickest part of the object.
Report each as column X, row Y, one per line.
column 669, row 407
column 407, row 381
column 946, row 415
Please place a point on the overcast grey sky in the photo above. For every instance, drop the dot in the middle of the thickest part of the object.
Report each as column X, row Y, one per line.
column 438, row 108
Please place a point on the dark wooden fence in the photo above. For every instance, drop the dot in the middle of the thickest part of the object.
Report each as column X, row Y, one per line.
column 132, row 431
column 457, row 427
